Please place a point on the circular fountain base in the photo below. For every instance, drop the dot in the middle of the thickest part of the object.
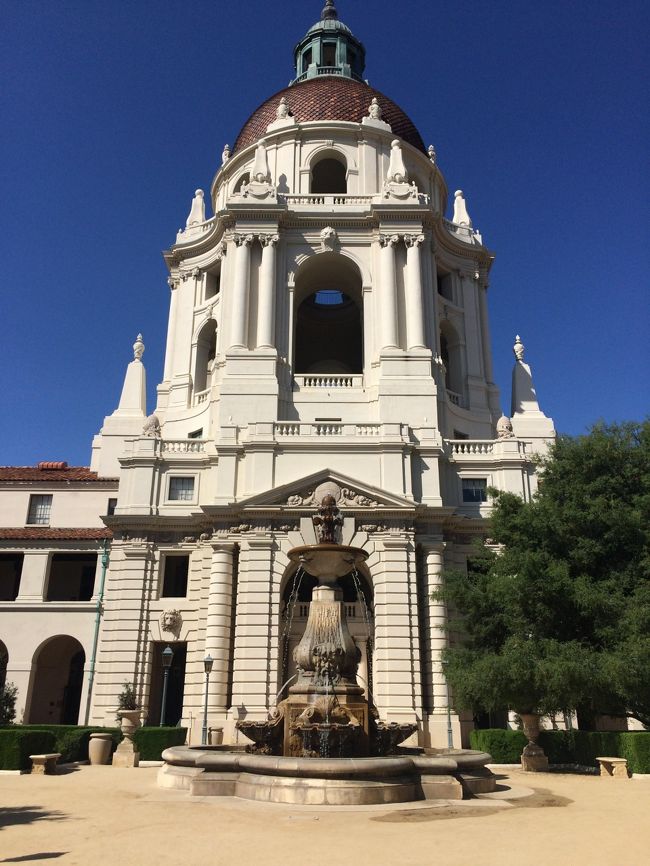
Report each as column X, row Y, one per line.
column 326, row 781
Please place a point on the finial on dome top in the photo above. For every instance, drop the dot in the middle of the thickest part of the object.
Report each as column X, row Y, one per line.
column 138, row 348
column 329, row 11
column 518, row 348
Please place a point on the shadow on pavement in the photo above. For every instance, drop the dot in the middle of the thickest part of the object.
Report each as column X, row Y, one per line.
column 33, row 858
column 11, row 815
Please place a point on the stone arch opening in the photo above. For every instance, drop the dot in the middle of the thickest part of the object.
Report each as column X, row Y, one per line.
column 328, row 334
column 450, row 352
column 329, row 175
column 206, row 351
column 57, row 682
column 242, row 180
column 4, row 663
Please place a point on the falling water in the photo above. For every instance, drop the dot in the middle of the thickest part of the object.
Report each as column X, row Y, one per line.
column 362, row 601
column 288, row 619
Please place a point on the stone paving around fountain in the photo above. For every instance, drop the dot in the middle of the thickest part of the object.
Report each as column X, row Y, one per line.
column 100, row 816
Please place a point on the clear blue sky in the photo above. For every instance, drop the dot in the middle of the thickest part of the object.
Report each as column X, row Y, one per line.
column 112, row 113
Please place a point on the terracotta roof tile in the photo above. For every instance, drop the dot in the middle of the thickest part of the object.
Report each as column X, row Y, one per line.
column 329, row 97
column 34, row 473
column 35, row 533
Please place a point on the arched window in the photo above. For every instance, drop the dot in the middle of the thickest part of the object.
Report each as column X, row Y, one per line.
column 206, row 350
column 328, row 325
column 328, row 175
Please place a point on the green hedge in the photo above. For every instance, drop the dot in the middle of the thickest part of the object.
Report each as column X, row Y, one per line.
column 17, row 744
column 72, row 740
column 504, row 745
column 568, row 747
column 152, row 742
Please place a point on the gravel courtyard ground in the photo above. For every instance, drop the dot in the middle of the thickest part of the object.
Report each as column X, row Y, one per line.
column 91, row 816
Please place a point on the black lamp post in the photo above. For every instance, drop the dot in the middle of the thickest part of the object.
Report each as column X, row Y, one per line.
column 450, row 730
column 167, row 656
column 208, row 661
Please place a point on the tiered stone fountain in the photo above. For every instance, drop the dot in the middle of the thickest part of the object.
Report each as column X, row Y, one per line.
column 325, row 744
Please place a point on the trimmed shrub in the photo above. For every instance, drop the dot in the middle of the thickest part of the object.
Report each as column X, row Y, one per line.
column 568, row 747
column 504, row 745
column 152, row 742
column 17, row 744
column 72, row 740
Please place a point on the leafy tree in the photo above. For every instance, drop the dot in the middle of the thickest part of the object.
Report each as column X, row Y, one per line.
column 8, row 694
column 559, row 617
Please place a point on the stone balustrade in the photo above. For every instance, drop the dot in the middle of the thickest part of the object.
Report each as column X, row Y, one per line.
column 328, row 380
column 182, row 446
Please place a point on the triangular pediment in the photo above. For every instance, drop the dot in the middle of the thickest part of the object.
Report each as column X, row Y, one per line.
column 307, row 492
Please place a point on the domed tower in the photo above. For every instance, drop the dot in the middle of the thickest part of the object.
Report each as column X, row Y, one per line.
column 327, row 332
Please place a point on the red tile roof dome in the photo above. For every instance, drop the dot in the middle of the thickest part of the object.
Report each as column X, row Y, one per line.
column 328, row 97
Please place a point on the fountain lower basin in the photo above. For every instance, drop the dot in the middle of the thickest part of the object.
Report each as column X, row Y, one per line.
column 220, row 772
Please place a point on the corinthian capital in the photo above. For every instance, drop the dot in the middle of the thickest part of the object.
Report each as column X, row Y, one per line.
column 243, row 240
column 389, row 240
column 413, row 240
column 269, row 240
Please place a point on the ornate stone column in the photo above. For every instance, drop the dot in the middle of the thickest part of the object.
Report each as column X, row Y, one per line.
column 171, row 329
column 266, row 303
column 414, row 306
column 388, row 296
column 240, row 291
column 435, row 623
column 218, row 624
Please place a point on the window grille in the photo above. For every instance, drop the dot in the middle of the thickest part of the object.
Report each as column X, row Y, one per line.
column 181, row 489
column 40, row 508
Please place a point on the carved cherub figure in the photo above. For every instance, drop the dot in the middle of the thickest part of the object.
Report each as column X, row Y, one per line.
column 328, row 520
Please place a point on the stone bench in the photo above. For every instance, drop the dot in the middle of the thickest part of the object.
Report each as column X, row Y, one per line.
column 613, row 768
column 44, row 765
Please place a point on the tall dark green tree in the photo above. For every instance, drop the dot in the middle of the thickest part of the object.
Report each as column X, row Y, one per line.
column 559, row 617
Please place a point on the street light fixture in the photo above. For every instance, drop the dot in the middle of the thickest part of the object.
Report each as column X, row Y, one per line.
column 450, row 730
column 208, row 661
column 167, row 656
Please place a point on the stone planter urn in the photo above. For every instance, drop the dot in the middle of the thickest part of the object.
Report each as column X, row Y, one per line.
column 533, row 759
column 126, row 754
column 100, row 746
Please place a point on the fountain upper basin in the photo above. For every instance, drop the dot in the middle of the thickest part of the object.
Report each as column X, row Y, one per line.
column 328, row 562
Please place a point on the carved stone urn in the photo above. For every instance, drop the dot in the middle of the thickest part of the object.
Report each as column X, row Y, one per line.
column 533, row 759
column 126, row 754
column 100, row 746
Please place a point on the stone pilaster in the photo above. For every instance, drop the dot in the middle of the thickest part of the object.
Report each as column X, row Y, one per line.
column 218, row 624
column 266, row 303
column 240, row 292
column 396, row 660
column 255, row 651
column 414, row 307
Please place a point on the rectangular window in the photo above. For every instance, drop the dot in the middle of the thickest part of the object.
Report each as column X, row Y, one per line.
column 175, row 571
column 11, row 567
column 72, row 577
column 181, row 489
column 195, row 434
column 474, row 489
column 40, row 507
column 329, row 54
column 112, row 505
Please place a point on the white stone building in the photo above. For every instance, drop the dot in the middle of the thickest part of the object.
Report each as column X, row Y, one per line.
column 328, row 331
